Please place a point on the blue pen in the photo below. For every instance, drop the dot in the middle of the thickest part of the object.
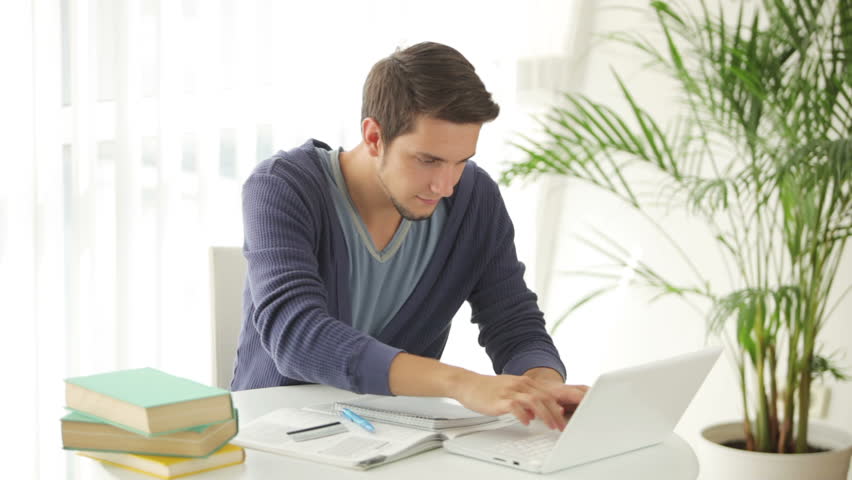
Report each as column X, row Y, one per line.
column 361, row 421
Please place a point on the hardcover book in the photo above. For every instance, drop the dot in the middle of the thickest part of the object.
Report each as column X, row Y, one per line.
column 82, row 432
column 147, row 401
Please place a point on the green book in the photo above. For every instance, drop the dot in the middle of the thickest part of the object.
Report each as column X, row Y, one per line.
column 148, row 401
column 84, row 432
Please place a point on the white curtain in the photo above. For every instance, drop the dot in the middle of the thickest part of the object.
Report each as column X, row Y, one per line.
column 129, row 126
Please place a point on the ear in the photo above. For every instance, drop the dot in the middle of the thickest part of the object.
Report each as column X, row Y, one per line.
column 371, row 132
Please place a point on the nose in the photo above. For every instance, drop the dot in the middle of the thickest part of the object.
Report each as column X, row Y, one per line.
column 443, row 182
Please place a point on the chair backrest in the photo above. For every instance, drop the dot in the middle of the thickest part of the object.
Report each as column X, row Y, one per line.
column 227, row 277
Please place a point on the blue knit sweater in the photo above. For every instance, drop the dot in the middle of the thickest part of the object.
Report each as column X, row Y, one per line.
column 296, row 303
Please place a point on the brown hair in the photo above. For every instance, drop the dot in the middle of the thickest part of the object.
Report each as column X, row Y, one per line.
column 427, row 78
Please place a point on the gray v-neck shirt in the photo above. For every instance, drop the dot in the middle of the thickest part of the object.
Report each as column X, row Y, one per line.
column 380, row 281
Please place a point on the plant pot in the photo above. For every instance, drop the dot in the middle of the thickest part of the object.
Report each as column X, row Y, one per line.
column 718, row 462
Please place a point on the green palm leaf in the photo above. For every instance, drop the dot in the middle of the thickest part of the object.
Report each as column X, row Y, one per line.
column 761, row 152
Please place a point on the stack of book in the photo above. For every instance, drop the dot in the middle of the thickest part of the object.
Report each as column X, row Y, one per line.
column 149, row 421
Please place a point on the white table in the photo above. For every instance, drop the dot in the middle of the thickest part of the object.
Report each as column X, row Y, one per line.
column 672, row 459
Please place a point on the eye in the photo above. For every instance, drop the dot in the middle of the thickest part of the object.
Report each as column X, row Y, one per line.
column 427, row 161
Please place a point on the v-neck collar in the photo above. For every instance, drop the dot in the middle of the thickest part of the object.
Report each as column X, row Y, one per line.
column 366, row 240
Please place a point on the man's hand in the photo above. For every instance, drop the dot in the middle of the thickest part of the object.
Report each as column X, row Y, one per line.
column 567, row 395
column 527, row 397
column 539, row 393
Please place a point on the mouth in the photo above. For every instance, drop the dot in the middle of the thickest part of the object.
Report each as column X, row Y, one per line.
column 427, row 201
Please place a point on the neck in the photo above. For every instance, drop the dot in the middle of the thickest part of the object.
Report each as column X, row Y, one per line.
column 360, row 170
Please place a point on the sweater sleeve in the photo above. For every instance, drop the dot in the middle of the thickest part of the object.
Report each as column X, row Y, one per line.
column 511, row 326
column 291, row 306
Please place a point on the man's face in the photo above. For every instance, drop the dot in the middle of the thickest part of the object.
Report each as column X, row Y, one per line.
column 424, row 165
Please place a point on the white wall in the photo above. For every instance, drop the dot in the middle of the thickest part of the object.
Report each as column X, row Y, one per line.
column 623, row 328
column 16, row 175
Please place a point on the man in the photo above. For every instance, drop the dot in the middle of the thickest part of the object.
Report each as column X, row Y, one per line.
column 358, row 260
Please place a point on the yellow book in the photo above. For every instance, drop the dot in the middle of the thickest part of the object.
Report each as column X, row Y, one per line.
column 170, row 467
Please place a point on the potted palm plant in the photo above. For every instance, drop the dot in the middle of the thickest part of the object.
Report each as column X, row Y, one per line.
column 762, row 153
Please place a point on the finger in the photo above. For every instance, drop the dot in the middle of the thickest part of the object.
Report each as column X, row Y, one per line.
column 568, row 395
column 538, row 397
column 556, row 413
column 522, row 414
column 558, row 405
column 545, row 396
column 556, row 410
column 545, row 409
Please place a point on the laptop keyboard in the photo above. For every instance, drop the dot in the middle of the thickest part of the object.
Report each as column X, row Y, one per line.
column 535, row 446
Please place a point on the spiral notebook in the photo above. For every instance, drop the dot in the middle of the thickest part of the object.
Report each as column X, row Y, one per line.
column 424, row 413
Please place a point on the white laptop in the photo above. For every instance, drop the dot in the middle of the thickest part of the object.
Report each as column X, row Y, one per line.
column 624, row 410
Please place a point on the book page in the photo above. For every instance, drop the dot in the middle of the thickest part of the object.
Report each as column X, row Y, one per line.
column 269, row 433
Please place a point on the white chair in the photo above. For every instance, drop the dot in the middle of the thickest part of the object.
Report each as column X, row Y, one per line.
column 227, row 277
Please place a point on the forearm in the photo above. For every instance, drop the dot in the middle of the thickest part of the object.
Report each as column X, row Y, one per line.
column 426, row 377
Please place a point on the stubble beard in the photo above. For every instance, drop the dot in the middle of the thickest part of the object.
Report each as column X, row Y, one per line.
column 400, row 208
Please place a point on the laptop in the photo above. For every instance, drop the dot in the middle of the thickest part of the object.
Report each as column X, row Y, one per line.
column 625, row 410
